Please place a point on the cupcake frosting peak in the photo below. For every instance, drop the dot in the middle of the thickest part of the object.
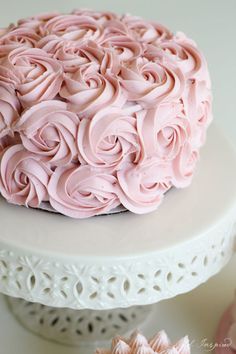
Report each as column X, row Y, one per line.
column 139, row 344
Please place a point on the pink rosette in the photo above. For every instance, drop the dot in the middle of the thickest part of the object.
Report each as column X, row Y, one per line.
column 36, row 22
column 49, row 130
column 9, row 109
column 197, row 100
column 110, row 63
column 101, row 17
column 144, row 31
column 183, row 53
column 108, row 139
column 23, row 177
column 71, row 54
column 125, row 48
column 163, row 131
column 88, row 90
column 150, row 83
column 74, row 27
column 81, row 192
column 36, row 76
column 183, row 166
column 17, row 37
column 143, row 185
column 115, row 28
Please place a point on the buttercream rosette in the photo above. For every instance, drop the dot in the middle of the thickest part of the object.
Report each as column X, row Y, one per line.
column 99, row 111
column 139, row 344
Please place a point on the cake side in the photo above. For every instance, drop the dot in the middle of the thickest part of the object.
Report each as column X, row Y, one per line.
column 99, row 111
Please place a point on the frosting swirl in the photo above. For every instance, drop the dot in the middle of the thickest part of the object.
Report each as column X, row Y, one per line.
column 23, row 178
column 9, row 109
column 181, row 52
column 49, row 130
column 73, row 27
column 71, row 54
column 34, row 73
column 124, row 47
column 150, row 83
column 143, row 31
column 101, row 17
column 183, row 166
column 108, row 139
column 138, row 344
column 143, row 185
column 163, row 131
column 81, row 192
column 17, row 37
column 88, row 90
column 197, row 100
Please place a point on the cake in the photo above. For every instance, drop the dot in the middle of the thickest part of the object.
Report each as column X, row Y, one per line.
column 138, row 344
column 99, row 112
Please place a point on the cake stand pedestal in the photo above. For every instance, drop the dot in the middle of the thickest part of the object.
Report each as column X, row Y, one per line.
column 79, row 278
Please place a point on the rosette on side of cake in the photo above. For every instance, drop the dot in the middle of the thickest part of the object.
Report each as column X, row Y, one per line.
column 99, row 111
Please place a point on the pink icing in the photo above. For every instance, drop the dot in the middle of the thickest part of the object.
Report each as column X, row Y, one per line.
column 143, row 186
column 197, row 105
column 138, row 344
column 33, row 73
column 143, row 31
column 182, row 53
column 151, row 83
column 160, row 342
column 88, row 90
column 183, row 166
column 24, row 177
column 105, row 109
column 74, row 27
column 163, row 130
column 48, row 129
column 108, row 139
column 82, row 191
column 101, row 17
column 16, row 38
column 9, row 109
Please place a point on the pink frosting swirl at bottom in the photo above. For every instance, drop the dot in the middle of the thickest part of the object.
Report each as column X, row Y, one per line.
column 143, row 186
column 81, row 192
column 24, row 177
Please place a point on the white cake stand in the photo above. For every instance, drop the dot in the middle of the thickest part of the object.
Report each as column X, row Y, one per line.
column 100, row 268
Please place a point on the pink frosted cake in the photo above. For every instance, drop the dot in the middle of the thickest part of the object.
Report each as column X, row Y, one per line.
column 98, row 111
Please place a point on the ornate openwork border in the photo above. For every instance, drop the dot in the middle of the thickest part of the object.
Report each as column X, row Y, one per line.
column 120, row 282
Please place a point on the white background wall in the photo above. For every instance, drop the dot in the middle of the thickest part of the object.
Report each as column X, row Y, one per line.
column 210, row 22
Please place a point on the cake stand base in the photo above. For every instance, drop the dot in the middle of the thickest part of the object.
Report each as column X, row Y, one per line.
column 77, row 327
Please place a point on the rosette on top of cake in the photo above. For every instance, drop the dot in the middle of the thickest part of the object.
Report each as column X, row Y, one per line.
column 99, row 111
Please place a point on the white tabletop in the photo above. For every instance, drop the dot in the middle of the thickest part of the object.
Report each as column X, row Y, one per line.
column 211, row 23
